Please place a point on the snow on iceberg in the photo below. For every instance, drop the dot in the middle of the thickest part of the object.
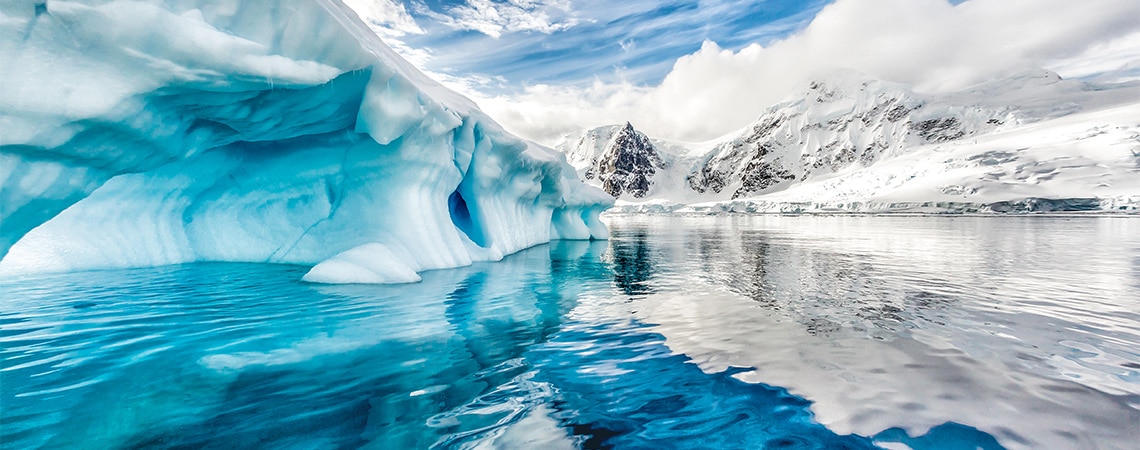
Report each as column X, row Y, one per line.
column 138, row 133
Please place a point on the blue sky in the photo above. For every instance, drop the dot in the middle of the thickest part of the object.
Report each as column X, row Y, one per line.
column 636, row 41
column 693, row 70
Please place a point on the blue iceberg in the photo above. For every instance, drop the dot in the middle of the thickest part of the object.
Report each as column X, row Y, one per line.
column 141, row 133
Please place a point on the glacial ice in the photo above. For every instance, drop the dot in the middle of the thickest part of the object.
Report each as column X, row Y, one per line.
column 138, row 133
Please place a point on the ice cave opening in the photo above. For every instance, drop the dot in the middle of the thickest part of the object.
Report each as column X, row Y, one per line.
column 461, row 217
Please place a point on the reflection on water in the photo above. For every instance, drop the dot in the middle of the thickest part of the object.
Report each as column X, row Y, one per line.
column 1027, row 328
column 632, row 262
column 764, row 332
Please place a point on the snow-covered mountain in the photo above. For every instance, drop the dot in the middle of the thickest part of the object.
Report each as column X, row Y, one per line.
column 848, row 142
column 173, row 131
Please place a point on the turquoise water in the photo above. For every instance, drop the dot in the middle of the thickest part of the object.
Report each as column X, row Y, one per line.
column 769, row 332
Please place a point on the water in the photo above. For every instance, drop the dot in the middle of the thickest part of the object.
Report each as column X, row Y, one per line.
column 731, row 332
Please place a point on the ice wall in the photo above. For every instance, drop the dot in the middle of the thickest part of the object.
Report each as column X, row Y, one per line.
column 137, row 133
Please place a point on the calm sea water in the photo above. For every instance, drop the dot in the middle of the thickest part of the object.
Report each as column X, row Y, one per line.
column 730, row 332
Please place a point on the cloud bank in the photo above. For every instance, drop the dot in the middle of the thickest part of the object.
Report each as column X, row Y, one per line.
column 930, row 44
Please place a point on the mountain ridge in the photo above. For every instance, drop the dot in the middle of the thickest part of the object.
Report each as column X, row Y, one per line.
column 845, row 124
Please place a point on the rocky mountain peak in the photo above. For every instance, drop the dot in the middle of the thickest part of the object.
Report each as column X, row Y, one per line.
column 628, row 163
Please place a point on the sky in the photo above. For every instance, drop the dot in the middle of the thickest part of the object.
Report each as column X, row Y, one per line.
column 693, row 70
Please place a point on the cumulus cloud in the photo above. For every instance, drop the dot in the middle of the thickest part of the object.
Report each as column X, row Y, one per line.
column 496, row 18
column 930, row 44
column 386, row 17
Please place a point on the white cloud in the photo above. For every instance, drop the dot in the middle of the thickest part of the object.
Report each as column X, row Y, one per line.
column 926, row 43
column 1114, row 60
column 496, row 18
column 387, row 17
column 391, row 21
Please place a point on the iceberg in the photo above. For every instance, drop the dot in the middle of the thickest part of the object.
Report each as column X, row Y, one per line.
column 140, row 133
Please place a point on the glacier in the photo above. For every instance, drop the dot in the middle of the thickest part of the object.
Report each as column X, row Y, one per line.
column 142, row 133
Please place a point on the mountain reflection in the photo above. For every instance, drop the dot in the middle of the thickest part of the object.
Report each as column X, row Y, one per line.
column 920, row 320
column 782, row 272
column 632, row 262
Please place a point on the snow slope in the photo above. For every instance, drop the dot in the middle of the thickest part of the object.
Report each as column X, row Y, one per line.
column 1029, row 142
column 137, row 133
column 1082, row 162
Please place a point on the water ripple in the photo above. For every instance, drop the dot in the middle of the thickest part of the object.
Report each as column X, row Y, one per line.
column 769, row 332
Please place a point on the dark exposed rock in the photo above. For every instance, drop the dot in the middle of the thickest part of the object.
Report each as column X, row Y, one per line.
column 628, row 165
column 760, row 175
column 707, row 179
column 764, row 128
column 940, row 130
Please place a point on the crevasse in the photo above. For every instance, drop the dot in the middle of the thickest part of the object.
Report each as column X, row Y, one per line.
column 138, row 133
